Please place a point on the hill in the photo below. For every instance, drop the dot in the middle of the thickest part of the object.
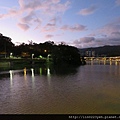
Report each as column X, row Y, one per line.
column 108, row 51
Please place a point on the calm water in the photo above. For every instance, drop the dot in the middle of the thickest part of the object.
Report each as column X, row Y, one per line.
column 41, row 90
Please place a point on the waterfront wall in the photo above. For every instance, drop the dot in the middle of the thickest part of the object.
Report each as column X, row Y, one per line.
column 11, row 62
column 4, row 64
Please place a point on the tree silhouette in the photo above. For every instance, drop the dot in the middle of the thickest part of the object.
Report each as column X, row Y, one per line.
column 6, row 45
column 59, row 53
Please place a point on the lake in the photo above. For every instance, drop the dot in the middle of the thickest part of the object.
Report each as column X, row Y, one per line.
column 91, row 88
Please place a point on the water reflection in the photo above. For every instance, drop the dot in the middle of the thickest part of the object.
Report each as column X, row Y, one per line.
column 103, row 62
column 25, row 73
column 11, row 78
column 4, row 75
column 116, row 62
column 48, row 76
column 32, row 72
column 33, row 78
column 110, row 62
column 11, row 74
column 40, row 71
column 48, row 71
column 61, row 89
column 29, row 74
column 64, row 70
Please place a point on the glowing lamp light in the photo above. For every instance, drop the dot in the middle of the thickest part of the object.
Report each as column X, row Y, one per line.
column 11, row 54
column 40, row 56
column 32, row 56
column 45, row 50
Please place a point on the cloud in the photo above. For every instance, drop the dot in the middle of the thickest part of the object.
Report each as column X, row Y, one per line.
column 109, row 34
column 55, row 1
column 116, row 33
column 23, row 26
column 87, row 39
column 29, row 12
column 75, row 28
column 1, row 15
column 111, row 31
column 87, row 42
column 45, row 6
column 29, row 4
column 49, row 36
column 117, row 2
column 27, row 18
column 38, row 21
column 21, row 3
column 84, row 40
column 88, row 11
column 49, row 27
column 110, row 28
column 31, row 19
column 53, row 20
column 56, row 19
column 62, row 7
column 10, row 13
column 115, row 36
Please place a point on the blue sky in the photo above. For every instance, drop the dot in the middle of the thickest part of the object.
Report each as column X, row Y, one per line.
column 80, row 23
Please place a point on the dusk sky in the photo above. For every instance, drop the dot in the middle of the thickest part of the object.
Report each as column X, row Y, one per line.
column 80, row 23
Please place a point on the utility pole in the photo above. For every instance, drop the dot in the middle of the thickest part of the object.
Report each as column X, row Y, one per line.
column 5, row 49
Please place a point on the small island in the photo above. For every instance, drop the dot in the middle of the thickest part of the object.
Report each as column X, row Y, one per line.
column 47, row 52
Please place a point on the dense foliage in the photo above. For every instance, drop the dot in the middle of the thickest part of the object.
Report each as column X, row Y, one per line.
column 59, row 53
column 66, row 54
column 6, row 45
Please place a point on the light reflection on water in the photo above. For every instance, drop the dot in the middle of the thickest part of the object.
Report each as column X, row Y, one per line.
column 40, row 90
column 102, row 62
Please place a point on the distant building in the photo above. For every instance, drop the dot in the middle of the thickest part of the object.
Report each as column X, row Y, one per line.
column 90, row 53
column 93, row 53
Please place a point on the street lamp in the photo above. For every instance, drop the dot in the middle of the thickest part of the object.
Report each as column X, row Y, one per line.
column 32, row 56
column 11, row 55
column 48, row 57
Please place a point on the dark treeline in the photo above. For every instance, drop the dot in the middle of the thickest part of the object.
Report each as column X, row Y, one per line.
column 59, row 53
column 6, row 44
